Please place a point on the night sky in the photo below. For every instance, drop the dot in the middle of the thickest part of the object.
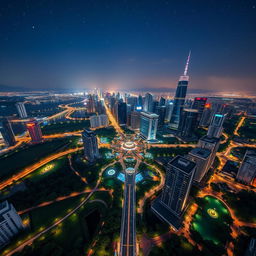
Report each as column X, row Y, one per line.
column 128, row 44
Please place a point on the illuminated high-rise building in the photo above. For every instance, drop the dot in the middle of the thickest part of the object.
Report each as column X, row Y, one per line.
column 7, row 132
column 201, row 156
column 148, row 103
column 199, row 104
column 34, row 130
column 10, row 223
column 135, row 120
column 91, row 150
column 21, row 109
column 216, row 126
column 188, row 123
column 148, row 125
column 179, row 99
column 206, row 116
column 171, row 204
column 247, row 171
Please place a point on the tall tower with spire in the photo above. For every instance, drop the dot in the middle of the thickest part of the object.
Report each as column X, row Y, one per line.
column 179, row 98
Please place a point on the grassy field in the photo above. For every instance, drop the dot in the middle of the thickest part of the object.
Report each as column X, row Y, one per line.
column 17, row 160
column 62, row 127
column 211, row 221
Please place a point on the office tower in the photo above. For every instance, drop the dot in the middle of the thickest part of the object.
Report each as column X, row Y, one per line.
column 148, row 125
column 199, row 104
column 98, row 121
column 179, row 99
column 135, row 120
column 21, row 109
column 162, row 101
column 99, row 107
column 155, row 104
column 7, row 132
column 90, row 104
column 201, row 156
column 128, row 114
column 34, row 130
column 169, row 109
column 188, row 123
column 170, row 205
column 140, row 101
column 10, row 223
column 148, row 103
column 161, row 111
column 247, row 171
column 206, row 116
column 216, row 126
column 210, row 143
column 121, row 113
column 91, row 150
column 132, row 101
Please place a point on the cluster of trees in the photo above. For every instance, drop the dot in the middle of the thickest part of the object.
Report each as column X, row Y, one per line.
column 248, row 130
column 177, row 245
column 243, row 203
column 68, row 126
column 168, row 152
column 59, row 183
column 17, row 160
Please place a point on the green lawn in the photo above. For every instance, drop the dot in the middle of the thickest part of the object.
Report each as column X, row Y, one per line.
column 15, row 161
column 62, row 127
column 212, row 220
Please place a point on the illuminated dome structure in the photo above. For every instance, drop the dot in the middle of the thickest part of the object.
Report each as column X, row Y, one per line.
column 129, row 145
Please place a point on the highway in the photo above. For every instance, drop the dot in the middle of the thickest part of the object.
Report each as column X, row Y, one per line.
column 128, row 225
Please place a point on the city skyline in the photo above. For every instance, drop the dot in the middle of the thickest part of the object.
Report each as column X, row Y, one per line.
column 128, row 44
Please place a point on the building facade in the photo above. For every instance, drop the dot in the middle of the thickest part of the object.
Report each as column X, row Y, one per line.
column 148, row 125
column 91, row 150
column 21, row 109
column 10, row 223
column 216, row 126
column 247, row 171
column 34, row 130
column 7, row 132
column 170, row 205
column 201, row 156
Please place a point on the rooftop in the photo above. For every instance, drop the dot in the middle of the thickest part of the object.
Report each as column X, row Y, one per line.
column 183, row 164
column 200, row 152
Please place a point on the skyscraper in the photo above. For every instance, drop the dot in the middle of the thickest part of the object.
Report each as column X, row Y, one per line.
column 210, row 143
column 121, row 113
column 148, row 125
column 201, row 156
column 161, row 111
column 188, row 123
column 98, row 121
column 179, row 98
column 206, row 115
column 10, row 223
column 21, row 109
column 199, row 104
column 34, row 130
column 135, row 120
column 148, row 103
column 91, row 150
column 171, row 204
column 216, row 126
column 7, row 132
column 247, row 171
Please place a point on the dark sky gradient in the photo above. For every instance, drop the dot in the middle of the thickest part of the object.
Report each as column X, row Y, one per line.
column 128, row 44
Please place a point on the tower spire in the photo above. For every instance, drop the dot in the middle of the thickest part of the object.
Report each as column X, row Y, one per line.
column 186, row 67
